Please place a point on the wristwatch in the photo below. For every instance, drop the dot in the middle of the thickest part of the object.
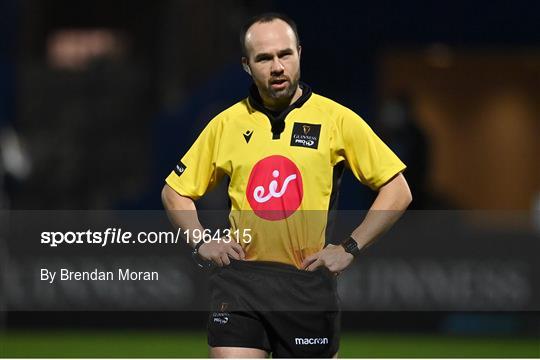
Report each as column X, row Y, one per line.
column 351, row 246
column 203, row 264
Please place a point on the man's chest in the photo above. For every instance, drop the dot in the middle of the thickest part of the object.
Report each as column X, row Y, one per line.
column 305, row 141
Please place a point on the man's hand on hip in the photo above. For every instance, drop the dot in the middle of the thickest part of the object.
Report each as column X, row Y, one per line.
column 333, row 257
column 219, row 252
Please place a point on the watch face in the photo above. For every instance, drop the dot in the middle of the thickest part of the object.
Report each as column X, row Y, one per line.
column 350, row 245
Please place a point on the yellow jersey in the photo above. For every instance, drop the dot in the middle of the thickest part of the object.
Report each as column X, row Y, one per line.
column 284, row 170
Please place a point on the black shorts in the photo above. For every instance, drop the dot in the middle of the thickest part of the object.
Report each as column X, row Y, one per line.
column 274, row 307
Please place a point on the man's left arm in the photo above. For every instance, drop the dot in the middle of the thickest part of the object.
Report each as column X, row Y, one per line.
column 390, row 203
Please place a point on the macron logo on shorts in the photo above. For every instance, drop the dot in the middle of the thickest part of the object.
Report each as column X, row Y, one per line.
column 311, row 341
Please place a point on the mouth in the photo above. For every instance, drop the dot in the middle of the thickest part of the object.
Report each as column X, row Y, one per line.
column 279, row 84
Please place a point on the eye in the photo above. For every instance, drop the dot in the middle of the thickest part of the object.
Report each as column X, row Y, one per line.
column 285, row 54
column 263, row 58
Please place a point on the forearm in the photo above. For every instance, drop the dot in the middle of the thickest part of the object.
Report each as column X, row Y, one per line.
column 181, row 212
column 389, row 205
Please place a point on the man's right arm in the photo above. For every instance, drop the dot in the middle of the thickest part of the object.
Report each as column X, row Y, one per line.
column 182, row 213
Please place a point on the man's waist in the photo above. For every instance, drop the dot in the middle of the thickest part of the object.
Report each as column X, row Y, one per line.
column 274, row 268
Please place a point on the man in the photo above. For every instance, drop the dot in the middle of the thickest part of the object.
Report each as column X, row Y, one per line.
column 284, row 150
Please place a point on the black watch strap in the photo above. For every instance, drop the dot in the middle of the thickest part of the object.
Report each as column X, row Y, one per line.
column 351, row 246
column 203, row 264
column 197, row 246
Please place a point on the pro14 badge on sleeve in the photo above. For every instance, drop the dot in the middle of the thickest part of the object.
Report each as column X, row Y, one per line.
column 306, row 135
column 179, row 168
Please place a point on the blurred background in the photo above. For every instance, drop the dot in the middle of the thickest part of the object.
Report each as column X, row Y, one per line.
column 98, row 100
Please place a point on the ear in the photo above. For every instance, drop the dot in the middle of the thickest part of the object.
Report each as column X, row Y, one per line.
column 299, row 51
column 245, row 65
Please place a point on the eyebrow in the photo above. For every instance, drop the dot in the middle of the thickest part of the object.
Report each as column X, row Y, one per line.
column 263, row 56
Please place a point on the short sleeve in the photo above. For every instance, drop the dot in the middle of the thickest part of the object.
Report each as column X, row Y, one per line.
column 196, row 172
column 368, row 157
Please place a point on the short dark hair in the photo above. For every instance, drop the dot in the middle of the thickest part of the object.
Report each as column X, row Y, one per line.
column 266, row 18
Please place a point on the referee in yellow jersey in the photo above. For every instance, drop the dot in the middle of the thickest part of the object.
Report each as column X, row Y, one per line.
column 284, row 149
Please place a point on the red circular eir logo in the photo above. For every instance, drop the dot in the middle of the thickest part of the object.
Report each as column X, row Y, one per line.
column 275, row 188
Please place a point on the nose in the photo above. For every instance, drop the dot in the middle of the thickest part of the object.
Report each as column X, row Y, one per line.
column 277, row 67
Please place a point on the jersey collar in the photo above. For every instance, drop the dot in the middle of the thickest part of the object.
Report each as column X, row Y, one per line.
column 277, row 120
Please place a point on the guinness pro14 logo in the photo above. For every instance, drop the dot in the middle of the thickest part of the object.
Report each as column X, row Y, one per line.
column 306, row 135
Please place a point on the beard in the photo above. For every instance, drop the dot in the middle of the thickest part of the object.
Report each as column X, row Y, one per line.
column 287, row 92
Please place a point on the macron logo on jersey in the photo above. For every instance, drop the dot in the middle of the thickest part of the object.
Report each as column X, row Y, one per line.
column 247, row 135
column 275, row 188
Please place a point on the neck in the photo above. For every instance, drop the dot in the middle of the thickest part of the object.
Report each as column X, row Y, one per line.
column 281, row 104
